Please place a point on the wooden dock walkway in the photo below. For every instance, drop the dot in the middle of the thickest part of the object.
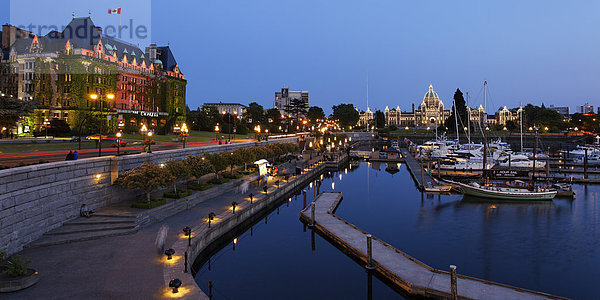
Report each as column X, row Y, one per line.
column 409, row 274
column 414, row 168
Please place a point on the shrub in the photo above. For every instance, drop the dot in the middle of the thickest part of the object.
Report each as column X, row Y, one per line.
column 199, row 187
column 233, row 175
column 177, row 195
column 148, row 205
column 17, row 266
column 147, row 177
column 219, row 180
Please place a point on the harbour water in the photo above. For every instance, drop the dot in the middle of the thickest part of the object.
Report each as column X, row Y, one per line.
column 552, row 246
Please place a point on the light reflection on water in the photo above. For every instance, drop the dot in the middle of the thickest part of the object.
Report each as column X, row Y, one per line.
column 552, row 246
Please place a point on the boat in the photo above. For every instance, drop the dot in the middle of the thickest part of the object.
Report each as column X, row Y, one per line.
column 437, row 188
column 592, row 160
column 563, row 190
column 518, row 191
column 519, row 161
column 502, row 192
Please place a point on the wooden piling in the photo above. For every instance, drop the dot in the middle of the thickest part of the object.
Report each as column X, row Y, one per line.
column 303, row 199
column 453, row 287
column 370, row 264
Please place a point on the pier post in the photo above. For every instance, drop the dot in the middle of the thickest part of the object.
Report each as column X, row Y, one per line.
column 548, row 164
column 303, row 199
column 421, row 183
column 185, row 263
column 453, row 287
column 370, row 264
column 312, row 214
column 210, row 289
column 585, row 161
column 509, row 163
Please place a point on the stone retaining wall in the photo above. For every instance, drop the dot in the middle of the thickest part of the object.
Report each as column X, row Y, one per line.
column 36, row 199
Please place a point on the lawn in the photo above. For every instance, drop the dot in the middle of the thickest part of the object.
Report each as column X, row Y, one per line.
column 195, row 136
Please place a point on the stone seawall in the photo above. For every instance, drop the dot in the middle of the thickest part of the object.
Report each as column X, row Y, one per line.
column 36, row 199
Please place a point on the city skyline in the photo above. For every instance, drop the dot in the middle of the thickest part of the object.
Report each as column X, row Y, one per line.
column 524, row 51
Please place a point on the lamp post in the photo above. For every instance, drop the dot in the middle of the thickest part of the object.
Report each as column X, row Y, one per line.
column 216, row 130
column 118, row 143
column 149, row 141
column 46, row 123
column 229, row 117
column 184, row 133
column 234, row 128
column 99, row 97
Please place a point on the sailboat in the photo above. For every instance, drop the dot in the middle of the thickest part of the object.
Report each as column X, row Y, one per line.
column 517, row 191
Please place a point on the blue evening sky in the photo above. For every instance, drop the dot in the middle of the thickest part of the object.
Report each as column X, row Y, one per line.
column 243, row 51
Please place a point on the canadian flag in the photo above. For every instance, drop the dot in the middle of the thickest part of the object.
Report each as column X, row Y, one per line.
column 114, row 11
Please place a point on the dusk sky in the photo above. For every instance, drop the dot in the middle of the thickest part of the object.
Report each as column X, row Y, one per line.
column 244, row 51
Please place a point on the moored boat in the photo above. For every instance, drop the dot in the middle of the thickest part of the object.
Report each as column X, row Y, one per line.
column 501, row 192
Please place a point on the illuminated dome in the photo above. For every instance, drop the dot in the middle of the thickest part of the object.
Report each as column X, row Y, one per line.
column 431, row 99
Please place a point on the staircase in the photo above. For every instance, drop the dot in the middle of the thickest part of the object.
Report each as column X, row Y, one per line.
column 81, row 229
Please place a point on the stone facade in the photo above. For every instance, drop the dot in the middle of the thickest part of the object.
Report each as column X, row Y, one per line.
column 36, row 199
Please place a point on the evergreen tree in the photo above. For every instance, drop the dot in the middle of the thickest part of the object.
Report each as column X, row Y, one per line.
column 460, row 106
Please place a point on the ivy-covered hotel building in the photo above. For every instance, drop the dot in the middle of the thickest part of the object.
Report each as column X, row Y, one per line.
column 62, row 69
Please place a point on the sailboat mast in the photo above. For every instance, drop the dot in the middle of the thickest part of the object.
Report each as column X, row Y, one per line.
column 521, row 122
column 367, row 125
column 485, row 103
column 468, row 120
column 485, row 175
column 534, row 153
column 456, row 121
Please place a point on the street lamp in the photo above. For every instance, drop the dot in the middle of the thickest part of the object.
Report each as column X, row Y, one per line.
column 216, row 130
column 184, row 133
column 229, row 117
column 46, row 123
column 234, row 128
column 149, row 141
column 99, row 97
column 118, row 143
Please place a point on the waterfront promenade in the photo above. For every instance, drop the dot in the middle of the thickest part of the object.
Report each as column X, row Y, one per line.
column 405, row 272
column 122, row 267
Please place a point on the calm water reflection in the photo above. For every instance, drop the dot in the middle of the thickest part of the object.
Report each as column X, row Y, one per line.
column 552, row 247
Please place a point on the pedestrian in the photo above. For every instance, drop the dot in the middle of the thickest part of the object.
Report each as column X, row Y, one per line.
column 75, row 155
column 161, row 238
column 69, row 156
column 244, row 187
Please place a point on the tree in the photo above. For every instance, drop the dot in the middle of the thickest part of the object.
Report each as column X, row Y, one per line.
column 296, row 108
column 346, row 114
column 204, row 118
column 218, row 161
column 379, row 119
column 57, row 127
column 274, row 116
column 543, row 117
column 199, row 166
column 314, row 113
column 234, row 158
column 510, row 125
column 178, row 170
column 255, row 113
column 460, row 107
column 247, row 156
column 147, row 177
column 13, row 109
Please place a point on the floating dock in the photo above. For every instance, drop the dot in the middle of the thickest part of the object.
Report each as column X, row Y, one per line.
column 407, row 273
column 414, row 168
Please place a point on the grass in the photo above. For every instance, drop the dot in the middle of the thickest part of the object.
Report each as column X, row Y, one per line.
column 195, row 136
column 30, row 147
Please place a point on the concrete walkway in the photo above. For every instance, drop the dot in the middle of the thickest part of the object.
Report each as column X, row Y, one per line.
column 120, row 267
column 406, row 272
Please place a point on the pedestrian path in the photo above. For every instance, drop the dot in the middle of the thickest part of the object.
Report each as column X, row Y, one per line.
column 124, row 266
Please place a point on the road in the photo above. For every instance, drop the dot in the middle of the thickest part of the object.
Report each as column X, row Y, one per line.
column 59, row 155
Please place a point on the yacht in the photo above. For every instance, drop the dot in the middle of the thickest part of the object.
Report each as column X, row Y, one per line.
column 519, row 161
